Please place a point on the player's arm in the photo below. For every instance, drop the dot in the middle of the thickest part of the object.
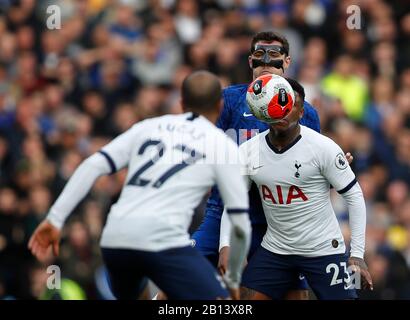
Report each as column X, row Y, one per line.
column 337, row 170
column 111, row 158
column 225, row 228
column 224, row 119
column 357, row 221
column 235, row 197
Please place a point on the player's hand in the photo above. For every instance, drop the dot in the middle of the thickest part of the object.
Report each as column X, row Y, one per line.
column 360, row 266
column 349, row 157
column 223, row 260
column 235, row 294
column 44, row 239
column 231, row 285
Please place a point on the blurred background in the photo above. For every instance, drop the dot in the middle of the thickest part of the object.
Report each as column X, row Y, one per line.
column 65, row 93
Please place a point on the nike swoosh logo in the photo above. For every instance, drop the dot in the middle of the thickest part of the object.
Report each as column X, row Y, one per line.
column 255, row 168
column 247, row 114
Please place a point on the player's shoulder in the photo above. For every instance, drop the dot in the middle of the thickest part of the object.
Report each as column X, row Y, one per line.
column 312, row 135
column 310, row 112
column 234, row 91
column 171, row 118
column 141, row 124
column 317, row 140
column 157, row 122
column 307, row 106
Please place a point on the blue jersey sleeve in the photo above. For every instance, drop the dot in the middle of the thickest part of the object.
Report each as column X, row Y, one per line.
column 310, row 117
column 224, row 119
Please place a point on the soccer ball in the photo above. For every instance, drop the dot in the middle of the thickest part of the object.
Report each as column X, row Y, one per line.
column 270, row 97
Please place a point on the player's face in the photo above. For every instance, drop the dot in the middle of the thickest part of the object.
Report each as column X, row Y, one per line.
column 266, row 50
column 292, row 119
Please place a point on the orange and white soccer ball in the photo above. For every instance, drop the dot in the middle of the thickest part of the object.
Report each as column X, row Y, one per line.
column 270, row 98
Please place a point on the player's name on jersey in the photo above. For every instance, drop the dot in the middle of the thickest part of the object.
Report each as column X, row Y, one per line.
column 183, row 128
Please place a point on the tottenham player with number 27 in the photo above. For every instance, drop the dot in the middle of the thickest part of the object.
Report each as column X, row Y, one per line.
column 269, row 54
column 293, row 167
column 172, row 162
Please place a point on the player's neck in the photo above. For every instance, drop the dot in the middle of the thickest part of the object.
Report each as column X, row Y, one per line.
column 281, row 139
column 211, row 116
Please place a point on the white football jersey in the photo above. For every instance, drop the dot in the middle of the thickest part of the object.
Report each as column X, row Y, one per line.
column 172, row 162
column 294, row 185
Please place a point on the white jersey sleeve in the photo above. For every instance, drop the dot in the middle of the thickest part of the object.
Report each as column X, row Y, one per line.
column 225, row 228
column 357, row 220
column 335, row 167
column 77, row 188
column 118, row 152
column 338, row 172
column 111, row 158
column 225, row 231
column 230, row 180
column 234, row 194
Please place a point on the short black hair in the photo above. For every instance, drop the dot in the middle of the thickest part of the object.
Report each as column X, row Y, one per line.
column 297, row 87
column 201, row 91
column 270, row 36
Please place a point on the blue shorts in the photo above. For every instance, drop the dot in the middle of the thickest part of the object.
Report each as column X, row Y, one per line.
column 207, row 240
column 207, row 236
column 182, row 273
column 274, row 274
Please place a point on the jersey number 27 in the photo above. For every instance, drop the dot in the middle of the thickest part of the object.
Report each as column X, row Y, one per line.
column 137, row 180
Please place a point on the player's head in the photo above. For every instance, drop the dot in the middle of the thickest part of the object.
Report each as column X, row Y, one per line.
column 269, row 54
column 201, row 93
column 293, row 117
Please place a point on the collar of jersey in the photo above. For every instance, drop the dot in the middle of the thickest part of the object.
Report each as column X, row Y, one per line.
column 192, row 116
column 283, row 150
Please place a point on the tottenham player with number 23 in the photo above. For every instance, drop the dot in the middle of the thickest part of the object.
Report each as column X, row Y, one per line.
column 293, row 167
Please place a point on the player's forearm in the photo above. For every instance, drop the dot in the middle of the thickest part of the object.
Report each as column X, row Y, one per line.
column 239, row 247
column 225, row 231
column 77, row 188
column 357, row 220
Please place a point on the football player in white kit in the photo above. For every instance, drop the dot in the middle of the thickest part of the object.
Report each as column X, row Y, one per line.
column 293, row 167
column 172, row 162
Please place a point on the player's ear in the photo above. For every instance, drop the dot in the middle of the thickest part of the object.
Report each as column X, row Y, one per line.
column 301, row 111
column 286, row 62
column 181, row 102
column 250, row 61
column 220, row 105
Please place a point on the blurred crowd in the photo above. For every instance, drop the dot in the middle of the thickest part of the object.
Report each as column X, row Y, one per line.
column 66, row 92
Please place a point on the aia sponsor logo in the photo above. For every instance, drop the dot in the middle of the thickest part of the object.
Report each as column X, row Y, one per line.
column 282, row 195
